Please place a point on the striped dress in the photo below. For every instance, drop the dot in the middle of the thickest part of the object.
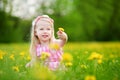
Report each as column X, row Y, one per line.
column 53, row 62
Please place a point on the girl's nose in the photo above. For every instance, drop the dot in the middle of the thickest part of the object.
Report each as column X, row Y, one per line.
column 45, row 31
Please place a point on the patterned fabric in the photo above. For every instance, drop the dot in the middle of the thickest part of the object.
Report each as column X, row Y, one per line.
column 53, row 62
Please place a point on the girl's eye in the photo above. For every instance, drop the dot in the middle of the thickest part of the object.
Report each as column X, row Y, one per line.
column 48, row 28
column 41, row 28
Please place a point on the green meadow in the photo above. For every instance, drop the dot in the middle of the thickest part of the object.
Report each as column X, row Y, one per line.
column 90, row 61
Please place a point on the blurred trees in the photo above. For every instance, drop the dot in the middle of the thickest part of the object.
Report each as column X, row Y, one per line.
column 83, row 20
column 92, row 20
column 100, row 19
column 11, row 28
column 8, row 30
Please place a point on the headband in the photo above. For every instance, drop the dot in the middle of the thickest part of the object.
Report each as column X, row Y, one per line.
column 44, row 18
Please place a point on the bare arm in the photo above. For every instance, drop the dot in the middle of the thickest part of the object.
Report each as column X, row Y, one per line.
column 62, row 38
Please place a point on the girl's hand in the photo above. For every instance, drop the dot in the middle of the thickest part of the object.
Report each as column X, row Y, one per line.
column 28, row 65
column 61, row 34
column 62, row 37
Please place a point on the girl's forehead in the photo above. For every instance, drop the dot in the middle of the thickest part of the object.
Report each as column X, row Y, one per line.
column 43, row 24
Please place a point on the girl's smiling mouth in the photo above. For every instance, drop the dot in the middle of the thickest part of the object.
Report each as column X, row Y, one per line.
column 44, row 36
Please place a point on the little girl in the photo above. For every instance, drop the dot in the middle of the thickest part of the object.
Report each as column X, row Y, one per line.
column 42, row 36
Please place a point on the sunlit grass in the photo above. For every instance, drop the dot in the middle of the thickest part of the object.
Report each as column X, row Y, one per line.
column 83, row 61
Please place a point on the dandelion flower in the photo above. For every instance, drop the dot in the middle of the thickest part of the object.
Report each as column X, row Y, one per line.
column 12, row 57
column 61, row 29
column 67, row 57
column 15, row 68
column 22, row 53
column 95, row 55
column 28, row 58
column 68, row 64
column 90, row 77
column 1, row 56
column 44, row 55
column 99, row 61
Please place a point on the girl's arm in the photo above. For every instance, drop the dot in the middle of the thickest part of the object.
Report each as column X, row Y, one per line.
column 62, row 38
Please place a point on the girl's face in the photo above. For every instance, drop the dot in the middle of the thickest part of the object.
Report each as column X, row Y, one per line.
column 43, row 31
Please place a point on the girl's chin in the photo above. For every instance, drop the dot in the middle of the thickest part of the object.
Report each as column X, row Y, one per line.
column 45, row 40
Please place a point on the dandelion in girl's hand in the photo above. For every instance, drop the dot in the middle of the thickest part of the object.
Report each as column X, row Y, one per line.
column 15, row 68
column 61, row 29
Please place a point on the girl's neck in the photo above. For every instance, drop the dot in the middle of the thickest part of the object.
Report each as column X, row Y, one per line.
column 45, row 43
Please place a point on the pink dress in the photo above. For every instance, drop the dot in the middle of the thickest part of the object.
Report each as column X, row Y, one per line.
column 53, row 62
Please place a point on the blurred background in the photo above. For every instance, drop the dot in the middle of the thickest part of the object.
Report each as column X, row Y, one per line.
column 83, row 20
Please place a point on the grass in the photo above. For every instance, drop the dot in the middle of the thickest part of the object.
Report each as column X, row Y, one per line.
column 85, row 66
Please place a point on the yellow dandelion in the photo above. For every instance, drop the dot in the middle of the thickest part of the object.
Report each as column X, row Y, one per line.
column 2, row 53
column 99, row 61
column 22, row 53
column 12, row 57
column 28, row 58
column 95, row 55
column 90, row 77
column 15, row 68
column 68, row 64
column 1, row 56
column 61, row 29
column 44, row 55
column 100, row 56
column 54, row 46
column 67, row 57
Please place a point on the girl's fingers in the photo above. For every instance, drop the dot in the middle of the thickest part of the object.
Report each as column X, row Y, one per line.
column 59, row 32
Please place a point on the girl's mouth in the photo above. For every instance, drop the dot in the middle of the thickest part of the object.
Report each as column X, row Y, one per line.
column 44, row 36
